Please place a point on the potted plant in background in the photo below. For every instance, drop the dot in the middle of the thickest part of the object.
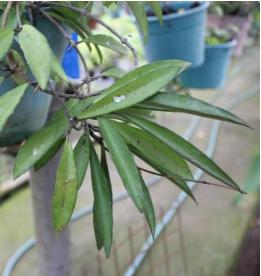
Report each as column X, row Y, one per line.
column 212, row 73
column 181, row 33
column 236, row 13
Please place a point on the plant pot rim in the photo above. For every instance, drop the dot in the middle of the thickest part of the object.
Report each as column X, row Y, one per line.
column 203, row 5
column 225, row 45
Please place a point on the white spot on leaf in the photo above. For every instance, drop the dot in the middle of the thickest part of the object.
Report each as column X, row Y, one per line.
column 118, row 99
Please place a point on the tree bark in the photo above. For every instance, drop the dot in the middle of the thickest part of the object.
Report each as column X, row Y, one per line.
column 53, row 247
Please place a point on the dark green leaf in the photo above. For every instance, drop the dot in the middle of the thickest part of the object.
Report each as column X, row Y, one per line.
column 65, row 192
column 11, row 21
column 82, row 157
column 9, row 101
column 144, row 113
column 157, row 154
column 108, row 42
column 155, row 5
column 184, row 149
column 149, row 209
column 102, row 210
column 105, row 167
column 40, row 143
column 77, row 23
column 134, row 87
column 57, row 69
column 49, row 154
column 123, row 161
column 138, row 10
column 37, row 53
column 6, row 40
column 175, row 102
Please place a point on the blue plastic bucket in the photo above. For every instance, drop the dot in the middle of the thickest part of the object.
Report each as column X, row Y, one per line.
column 31, row 113
column 70, row 61
column 211, row 74
column 180, row 37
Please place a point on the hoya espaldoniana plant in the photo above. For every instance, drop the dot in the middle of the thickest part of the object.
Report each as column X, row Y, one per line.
column 113, row 119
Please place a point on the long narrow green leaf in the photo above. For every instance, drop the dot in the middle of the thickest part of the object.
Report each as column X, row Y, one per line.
column 57, row 69
column 157, row 154
column 155, row 5
column 149, row 209
column 134, row 87
column 82, row 157
column 107, row 42
column 65, row 192
column 6, row 40
column 105, row 168
column 175, row 102
column 123, row 161
column 40, row 143
column 8, row 103
column 49, row 154
column 138, row 10
column 184, row 149
column 77, row 23
column 102, row 210
column 37, row 53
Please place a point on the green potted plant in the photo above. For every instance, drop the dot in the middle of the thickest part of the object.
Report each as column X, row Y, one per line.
column 236, row 13
column 108, row 117
column 212, row 73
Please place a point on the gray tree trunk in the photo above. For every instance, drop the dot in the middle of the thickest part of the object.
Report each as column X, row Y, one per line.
column 53, row 247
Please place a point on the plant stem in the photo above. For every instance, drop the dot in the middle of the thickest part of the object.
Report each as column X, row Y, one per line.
column 84, row 12
column 5, row 14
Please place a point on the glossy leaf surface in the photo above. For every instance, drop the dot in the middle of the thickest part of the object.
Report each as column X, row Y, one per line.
column 102, row 209
column 156, row 154
column 6, row 39
column 107, row 42
column 175, row 102
column 155, row 5
column 82, row 157
column 66, row 187
column 134, row 87
column 137, row 8
column 124, row 161
column 8, row 103
column 40, row 142
column 37, row 53
column 184, row 149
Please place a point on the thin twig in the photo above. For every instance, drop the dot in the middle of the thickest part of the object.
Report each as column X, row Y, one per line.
column 190, row 180
column 17, row 9
column 71, row 42
column 6, row 13
column 84, row 12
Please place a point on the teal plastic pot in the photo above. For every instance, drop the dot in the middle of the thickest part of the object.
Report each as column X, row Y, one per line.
column 180, row 37
column 31, row 113
column 211, row 74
